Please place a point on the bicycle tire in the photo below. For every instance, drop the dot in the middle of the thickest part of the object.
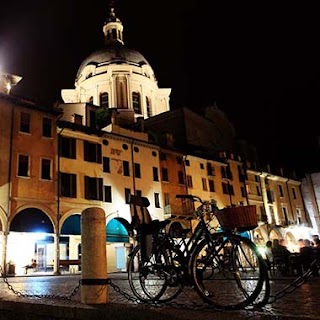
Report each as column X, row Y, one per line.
column 228, row 272
column 264, row 295
column 155, row 278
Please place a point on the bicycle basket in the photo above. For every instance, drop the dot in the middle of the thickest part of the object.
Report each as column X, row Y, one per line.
column 242, row 218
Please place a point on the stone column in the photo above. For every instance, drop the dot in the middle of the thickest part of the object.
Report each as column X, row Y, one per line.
column 94, row 288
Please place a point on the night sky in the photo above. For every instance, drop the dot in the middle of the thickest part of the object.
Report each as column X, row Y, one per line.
column 259, row 62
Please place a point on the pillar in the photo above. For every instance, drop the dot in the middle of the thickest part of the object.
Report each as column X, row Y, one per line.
column 94, row 288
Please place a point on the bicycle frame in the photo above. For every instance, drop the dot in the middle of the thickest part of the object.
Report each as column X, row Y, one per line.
column 201, row 261
column 200, row 233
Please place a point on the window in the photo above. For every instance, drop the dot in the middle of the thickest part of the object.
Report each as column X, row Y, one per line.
column 149, row 109
column 179, row 160
column 284, row 211
column 164, row 172
column 156, row 200
column 226, row 172
column 78, row 119
column 114, row 34
column 227, row 188
column 243, row 192
column 25, row 122
column 162, row 156
column 180, row 177
column 211, row 185
column 155, row 174
column 92, row 152
column 201, row 166
column 67, row 147
column 223, row 172
column 137, row 170
column 136, row 102
column 106, row 164
column 104, row 100
column 127, row 193
column 46, row 169
column 166, row 197
column 68, row 185
column 126, row 170
column 23, row 166
column 270, row 196
column 47, row 127
column 93, row 188
column 210, row 169
column 189, row 181
column 256, row 178
column 299, row 216
column 241, row 174
column 107, row 194
column 280, row 191
column 294, row 193
column 204, row 184
column 258, row 191
column 187, row 162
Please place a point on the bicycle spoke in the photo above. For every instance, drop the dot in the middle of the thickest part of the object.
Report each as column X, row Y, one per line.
column 238, row 273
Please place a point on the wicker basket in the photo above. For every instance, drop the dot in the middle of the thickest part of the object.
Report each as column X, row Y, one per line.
column 242, row 218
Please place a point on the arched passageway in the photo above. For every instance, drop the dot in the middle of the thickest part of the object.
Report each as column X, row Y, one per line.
column 31, row 236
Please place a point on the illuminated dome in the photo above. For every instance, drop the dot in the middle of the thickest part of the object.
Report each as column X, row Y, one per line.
column 118, row 77
column 114, row 53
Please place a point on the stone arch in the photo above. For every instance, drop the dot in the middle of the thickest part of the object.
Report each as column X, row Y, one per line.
column 46, row 211
column 260, row 235
column 31, row 219
column 31, row 235
column 275, row 234
column 66, row 215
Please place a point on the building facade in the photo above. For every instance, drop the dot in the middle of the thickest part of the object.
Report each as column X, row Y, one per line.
column 114, row 136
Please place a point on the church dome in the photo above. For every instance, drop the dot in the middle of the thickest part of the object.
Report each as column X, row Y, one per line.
column 117, row 76
column 115, row 53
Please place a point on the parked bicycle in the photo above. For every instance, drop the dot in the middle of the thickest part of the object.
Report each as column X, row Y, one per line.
column 225, row 268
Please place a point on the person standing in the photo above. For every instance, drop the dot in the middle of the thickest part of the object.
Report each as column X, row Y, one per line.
column 268, row 254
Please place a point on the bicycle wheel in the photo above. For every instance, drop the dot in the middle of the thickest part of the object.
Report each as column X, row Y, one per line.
column 157, row 278
column 228, row 272
column 146, row 278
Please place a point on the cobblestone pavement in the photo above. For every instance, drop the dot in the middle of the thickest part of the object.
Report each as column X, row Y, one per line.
column 294, row 301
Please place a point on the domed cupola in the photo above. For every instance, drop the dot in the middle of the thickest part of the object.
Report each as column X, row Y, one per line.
column 118, row 77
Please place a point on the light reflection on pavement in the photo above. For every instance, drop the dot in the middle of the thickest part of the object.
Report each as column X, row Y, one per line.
column 303, row 301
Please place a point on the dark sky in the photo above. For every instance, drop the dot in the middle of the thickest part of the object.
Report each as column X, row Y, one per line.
column 259, row 61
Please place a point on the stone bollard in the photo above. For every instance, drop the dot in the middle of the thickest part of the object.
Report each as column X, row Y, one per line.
column 94, row 287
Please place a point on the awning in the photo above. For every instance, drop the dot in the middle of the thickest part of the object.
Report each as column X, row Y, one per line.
column 72, row 225
column 116, row 232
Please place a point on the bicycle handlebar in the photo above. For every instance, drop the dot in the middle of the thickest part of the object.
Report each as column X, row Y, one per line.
column 212, row 203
